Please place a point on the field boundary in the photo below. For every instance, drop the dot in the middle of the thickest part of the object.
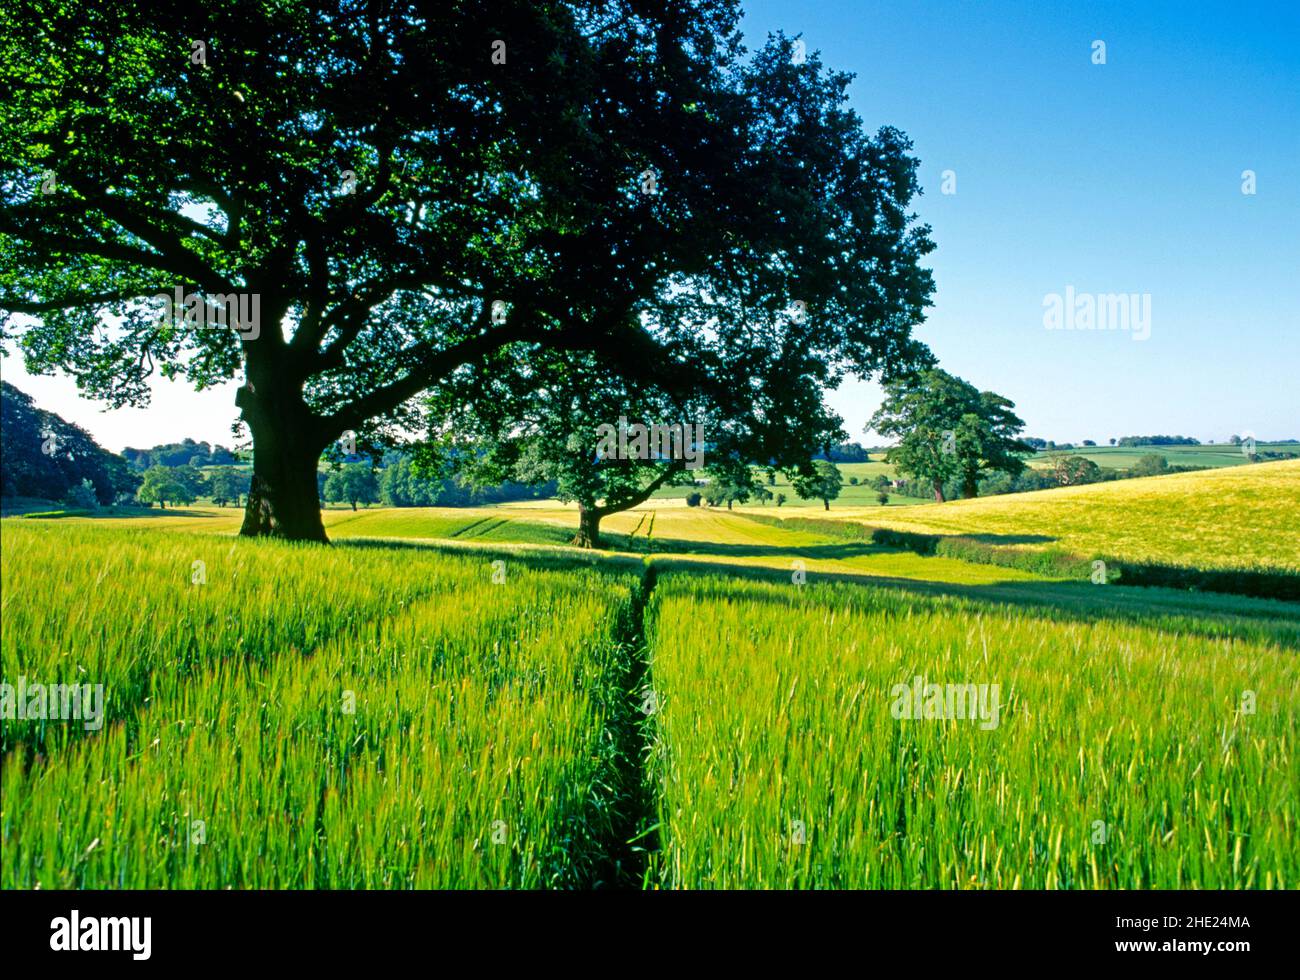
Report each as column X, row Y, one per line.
column 1053, row 561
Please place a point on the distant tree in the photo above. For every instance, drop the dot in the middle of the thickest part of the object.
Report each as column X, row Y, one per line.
column 1089, row 442
column 226, row 484
column 586, row 431
column 727, row 488
column 1033, row 479
column 780, row 499
column 1159, row 441
column 1235, row 440
column 693, row 499
column 159, row 488
column 824, row 484
column 565, row 437
column 1152, row 464
column 883, row 498
column 81, row 497
column 853, row 481
column 137, row 458
column 186, row 452
column 846, row 452
column 1112, row 440
column 881, row 482
column 1074, row 470
column 404, row 484
column 151, row 493
column 393, row 482
column 178, row 493
column 949, row 431
column 191, row 478
column 997, row 483
column 353, row 483
column 44, row 456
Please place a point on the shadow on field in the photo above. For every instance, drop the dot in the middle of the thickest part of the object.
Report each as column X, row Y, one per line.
column 830, row 551
column 992, row 549
column 540, row 556
column 1008, row 538
column 134, row 513
column 1201, row 614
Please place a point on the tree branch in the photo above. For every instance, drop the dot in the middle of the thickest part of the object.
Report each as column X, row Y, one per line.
column 436, row 365
column 64, row 302
column 644, row 494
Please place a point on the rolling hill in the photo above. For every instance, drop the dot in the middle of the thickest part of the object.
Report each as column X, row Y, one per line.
column 1233, row 517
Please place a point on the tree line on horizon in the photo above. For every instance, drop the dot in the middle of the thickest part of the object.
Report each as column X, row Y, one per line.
column 44, row 457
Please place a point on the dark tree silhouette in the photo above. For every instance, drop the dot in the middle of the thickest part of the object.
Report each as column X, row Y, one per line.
column 353, row 201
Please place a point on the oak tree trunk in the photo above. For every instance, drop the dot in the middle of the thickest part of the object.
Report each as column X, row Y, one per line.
column 287, row 444
column 588, row 535
column 589, row 515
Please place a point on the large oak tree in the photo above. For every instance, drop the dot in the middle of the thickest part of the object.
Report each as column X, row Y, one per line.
column 414, row 189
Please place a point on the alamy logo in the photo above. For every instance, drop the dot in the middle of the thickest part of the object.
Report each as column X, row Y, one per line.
column 942, row 702
column 242, row 311
column 1098, row 311
column 655, row 441
column 102, row 933
column 53, row 702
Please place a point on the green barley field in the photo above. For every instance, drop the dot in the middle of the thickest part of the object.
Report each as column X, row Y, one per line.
column 345, row 717
column 457, row 699
column 1122, row 756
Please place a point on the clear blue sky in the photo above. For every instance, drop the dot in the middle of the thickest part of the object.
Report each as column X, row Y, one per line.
column 1123, row 177
column 1115, row 178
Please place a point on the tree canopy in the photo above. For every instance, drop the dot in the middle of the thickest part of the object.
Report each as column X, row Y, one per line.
column 823, row 483
column 353, row 483
column 353, row 202
column 227, row 484
column 949, row 430
column 160, row 487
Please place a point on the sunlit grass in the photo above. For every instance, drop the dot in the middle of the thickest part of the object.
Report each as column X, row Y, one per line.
column 141, row 610
column 382, row 713
column 355, row 718
column 1234, row 517
column 774, row 725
